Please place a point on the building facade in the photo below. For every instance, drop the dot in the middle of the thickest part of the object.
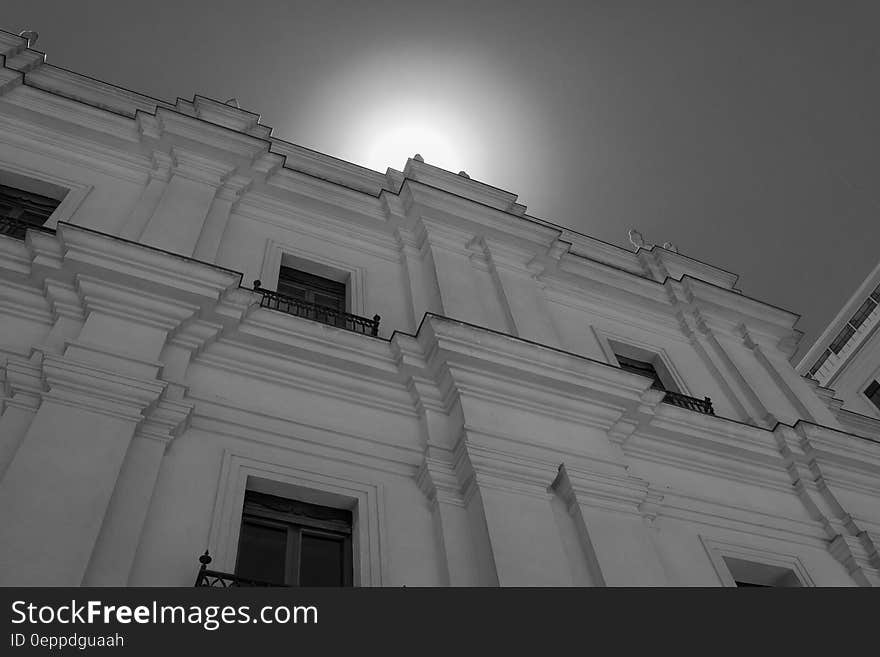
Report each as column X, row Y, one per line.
column 211, row 339
column 846, row 357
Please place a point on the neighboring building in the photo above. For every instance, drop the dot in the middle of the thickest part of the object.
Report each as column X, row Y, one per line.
column 428, row 386
column 846, row 357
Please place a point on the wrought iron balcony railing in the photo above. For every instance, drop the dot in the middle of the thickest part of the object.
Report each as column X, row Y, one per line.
column 216, row 579
column 319, row 313
column 17, row 229
column 690, row 403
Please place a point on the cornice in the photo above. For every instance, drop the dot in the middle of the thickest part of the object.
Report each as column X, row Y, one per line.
column 227, row 116
column 132, row 303
column 148, row 269
column 24, row 302
column 732, row 307
column 203, row 133
column 196, row 167
column 9, row 79
column 310, row 375
column 417, row 196
column 678, row 266
column 94, row 389
column 91, row 91
column 842, row 449
column 610, row 255
column 24, row 59
column 230, row 417
column 331, row 169
column 292, row 334
column 166, row 420
column 608, row 303
column 463, row 187
column 22, row 384
column 74, row 150
column 265, row 208
column 460, row 343
column 697, row 510
column 439, row 482
column 860, row 425
column 15, row 257
column 619, row 492
column 60, row 108
column 478, row 466
column 327, row 193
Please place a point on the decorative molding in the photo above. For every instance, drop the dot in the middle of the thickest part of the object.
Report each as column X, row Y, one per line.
column 86, row 387
column 718, row 549
column 357, row 276
column 367, row 499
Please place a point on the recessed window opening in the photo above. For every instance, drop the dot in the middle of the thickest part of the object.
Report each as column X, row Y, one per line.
column 295, row 543
column 872, row 392
column 641, row 361
column 753, row 573
column 26, row 202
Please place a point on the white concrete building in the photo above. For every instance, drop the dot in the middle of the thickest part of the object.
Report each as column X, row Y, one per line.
column 529, row 410
column 845, row 359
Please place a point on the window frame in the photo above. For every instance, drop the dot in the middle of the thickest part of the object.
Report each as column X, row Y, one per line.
column 290, row 255
column 296, row 526
column 612, row 345
column 34, row 181
column 284, row 475
column 719, row 550
column 292, row 277
column 872, row 391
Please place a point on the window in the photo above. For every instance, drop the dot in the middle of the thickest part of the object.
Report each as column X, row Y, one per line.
column 288, row 542
column 753, row 573
column 746, row 565
column 872, row 392
column 641, row 361
column 643, row 368
column 311, row 288
column 20, row 209
column 819, row 363
column 862, row 313
column 841, row 339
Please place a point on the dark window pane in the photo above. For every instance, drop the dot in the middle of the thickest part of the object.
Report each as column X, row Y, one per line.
column 641, row 367
column 321, row 561
column 862, row 313
column 290, row 290
column 336, row 303
column 31, row 208
column 873, row 393
column 319, row 295
column 819, row 363
column 262, row 552
column 841, row 339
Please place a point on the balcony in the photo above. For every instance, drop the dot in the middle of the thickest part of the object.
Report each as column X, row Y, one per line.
column 690, row 403
column 219, row 580
column 324, row 314
column 17, row 229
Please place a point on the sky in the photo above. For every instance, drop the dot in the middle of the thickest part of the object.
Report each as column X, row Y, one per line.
column 744, row 132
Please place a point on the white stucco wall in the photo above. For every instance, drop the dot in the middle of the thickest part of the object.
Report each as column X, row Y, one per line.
column 486, row 436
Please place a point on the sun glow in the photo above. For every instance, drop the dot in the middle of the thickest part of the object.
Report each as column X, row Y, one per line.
column 458, row 110
column 392, row 145
column 389, row 135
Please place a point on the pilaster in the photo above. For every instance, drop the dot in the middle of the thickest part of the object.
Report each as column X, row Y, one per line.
column 180, row 215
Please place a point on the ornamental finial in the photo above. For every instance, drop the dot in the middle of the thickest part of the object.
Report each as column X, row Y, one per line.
column 30, row 35
column 636, row 238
